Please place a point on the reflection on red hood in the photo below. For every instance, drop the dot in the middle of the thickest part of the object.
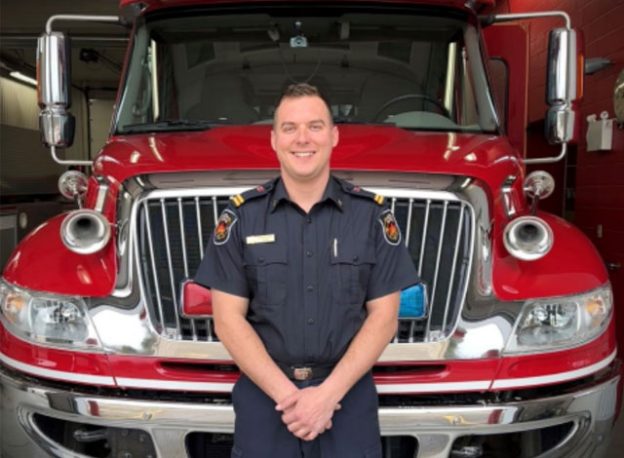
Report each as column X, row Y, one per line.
column 365, row 148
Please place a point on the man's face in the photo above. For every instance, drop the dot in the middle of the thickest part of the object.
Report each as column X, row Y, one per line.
column 303, row 137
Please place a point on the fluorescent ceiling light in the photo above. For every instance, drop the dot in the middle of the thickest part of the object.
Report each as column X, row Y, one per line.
column 24, row 78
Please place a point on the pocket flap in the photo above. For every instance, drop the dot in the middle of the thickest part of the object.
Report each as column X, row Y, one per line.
column 265, row 253
column 352, row 253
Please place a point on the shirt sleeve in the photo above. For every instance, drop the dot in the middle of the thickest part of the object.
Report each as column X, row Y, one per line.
column 394, row 269
column 222, row 267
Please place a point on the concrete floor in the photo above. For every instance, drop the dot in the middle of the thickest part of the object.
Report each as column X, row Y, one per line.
column 616, row 448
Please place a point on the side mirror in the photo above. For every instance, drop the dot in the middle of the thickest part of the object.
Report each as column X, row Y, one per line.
column 57, row 125
column 562, row 90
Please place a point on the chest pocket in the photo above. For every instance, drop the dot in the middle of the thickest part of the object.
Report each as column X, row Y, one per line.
column 266, row 267
column 350, row 271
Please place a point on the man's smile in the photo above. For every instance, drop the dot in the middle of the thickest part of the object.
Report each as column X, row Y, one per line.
column 303, row 153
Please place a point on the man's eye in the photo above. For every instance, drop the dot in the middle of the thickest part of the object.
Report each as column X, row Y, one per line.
column 288, row 129
column 316, row 127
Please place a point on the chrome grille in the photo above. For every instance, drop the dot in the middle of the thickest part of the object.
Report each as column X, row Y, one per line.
column 172, row 235
column 173, row 231
column 438, row 234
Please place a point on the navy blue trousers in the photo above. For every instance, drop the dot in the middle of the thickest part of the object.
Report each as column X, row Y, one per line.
column 260, row 433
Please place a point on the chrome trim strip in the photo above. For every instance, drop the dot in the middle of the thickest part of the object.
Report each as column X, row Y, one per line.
column 204, row 387
column 102, row 193
column 507, row 193
column 77, row 377
column 556, row 378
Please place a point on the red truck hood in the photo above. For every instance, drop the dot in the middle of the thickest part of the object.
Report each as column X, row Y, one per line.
column 362, row 148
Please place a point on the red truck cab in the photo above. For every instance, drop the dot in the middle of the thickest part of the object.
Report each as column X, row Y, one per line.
column 513, row 349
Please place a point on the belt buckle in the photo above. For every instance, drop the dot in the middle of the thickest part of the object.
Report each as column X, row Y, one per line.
column 302, row 373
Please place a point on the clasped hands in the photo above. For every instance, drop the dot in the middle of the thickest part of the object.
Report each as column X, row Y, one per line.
column 308, row 412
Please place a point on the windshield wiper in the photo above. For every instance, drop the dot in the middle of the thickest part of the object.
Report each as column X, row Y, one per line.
column 346, row 120
column 170, row 125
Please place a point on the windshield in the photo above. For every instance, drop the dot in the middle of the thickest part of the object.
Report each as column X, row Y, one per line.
column 415, row 70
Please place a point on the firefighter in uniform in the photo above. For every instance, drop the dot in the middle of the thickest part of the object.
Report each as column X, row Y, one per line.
column 306, row 272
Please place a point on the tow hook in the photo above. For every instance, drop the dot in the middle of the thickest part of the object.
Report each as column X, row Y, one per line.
column 82, row 435
column 467, row 451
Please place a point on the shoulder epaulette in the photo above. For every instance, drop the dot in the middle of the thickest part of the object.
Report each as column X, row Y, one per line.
column 357, row 191
column 263, row 189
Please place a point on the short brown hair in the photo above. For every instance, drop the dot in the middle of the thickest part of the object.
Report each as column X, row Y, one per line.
column 297, row 90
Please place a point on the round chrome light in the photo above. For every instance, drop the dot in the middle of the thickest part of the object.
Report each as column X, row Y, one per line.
column 539, row 184
column 85, row 231
column 528, row 238
column 73, row 184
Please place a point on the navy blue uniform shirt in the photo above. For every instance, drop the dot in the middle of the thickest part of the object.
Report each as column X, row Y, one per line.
column 307, row 276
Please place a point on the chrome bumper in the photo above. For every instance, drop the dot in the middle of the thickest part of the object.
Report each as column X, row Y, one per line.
column 591, row 410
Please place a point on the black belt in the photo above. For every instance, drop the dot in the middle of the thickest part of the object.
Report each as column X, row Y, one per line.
column 306, row 371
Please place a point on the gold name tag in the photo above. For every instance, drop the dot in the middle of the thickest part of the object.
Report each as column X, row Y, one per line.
column 255, row 239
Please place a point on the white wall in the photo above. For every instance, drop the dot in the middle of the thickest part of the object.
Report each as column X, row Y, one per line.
column 26, row 166
column 18, row 108
column 100, row 111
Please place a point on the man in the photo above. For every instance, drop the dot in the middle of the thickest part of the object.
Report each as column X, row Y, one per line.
column 306, row 273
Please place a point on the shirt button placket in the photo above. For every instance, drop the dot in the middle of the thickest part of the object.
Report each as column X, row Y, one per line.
column 310, row 283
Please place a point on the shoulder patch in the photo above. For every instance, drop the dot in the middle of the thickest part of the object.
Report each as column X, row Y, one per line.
column 224, row 227
column 261, row 190
column 390, row 228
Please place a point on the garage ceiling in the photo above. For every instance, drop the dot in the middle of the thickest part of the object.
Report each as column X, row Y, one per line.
column 97, row 49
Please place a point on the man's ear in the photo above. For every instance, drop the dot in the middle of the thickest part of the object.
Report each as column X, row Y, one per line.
column 273, row 140
column 335, row 135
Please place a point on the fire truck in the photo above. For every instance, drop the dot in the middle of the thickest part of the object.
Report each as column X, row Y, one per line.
column 506, row 348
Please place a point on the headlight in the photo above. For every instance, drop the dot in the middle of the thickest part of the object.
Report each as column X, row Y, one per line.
column 47, row 318
column 561, row 322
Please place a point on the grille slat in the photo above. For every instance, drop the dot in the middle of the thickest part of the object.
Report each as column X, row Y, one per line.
column 151, row 254
column 215, row 210
column 184, row 257
column 437, row 267
column 200, row 240
column 174, row 299
column 408, row 229
column 200, row 236
column 424, row 239
column 173, row 232
column 453, row 265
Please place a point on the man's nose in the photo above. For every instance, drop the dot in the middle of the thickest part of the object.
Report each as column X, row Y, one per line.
column 302, row 135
